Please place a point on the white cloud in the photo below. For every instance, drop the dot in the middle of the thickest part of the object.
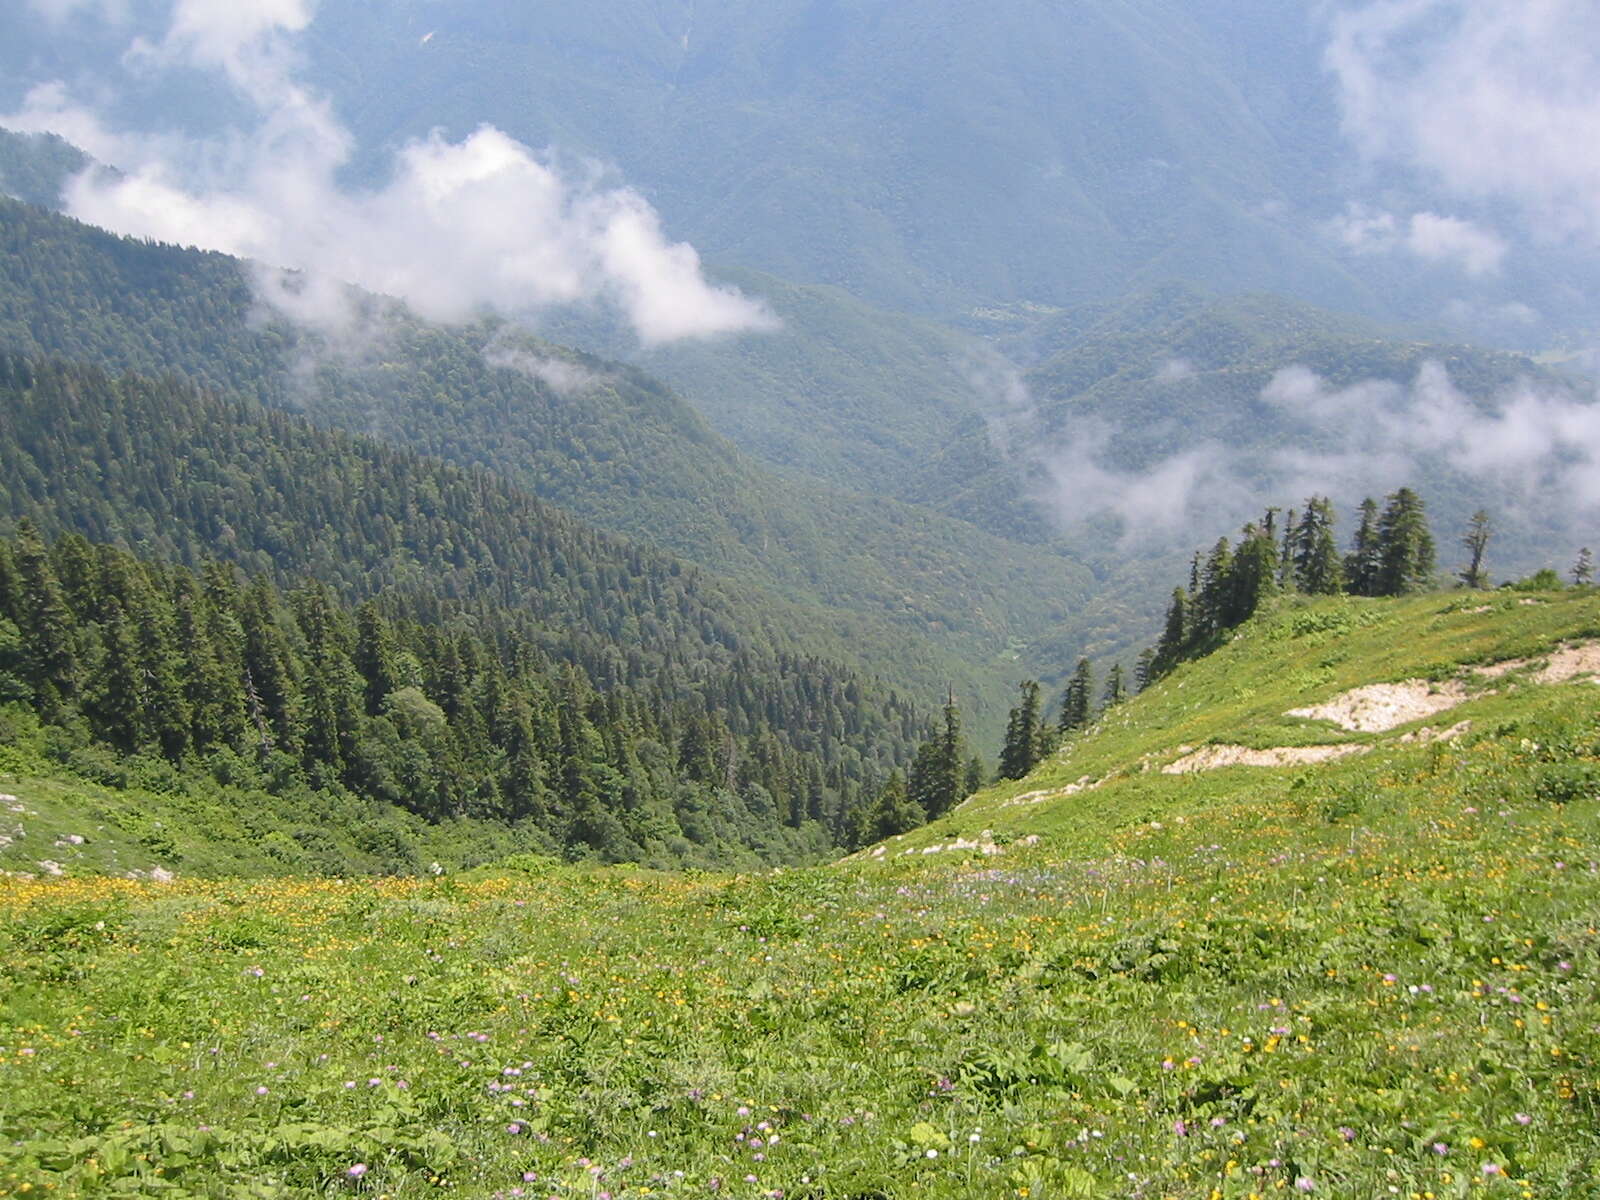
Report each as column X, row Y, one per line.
column 559, row 375
column 1158, row 504
column 1449, row 241
column 1538, row 446
column 1494, row 100
column 1452, row 240
column 1175, row 370
column 459, row 227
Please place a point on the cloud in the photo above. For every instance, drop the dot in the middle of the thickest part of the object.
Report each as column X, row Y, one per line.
column 1072, row 478
column 1539, row 447
column 1534, row 448
column 1495, row 100
column 1159, row 504
column 560, row 376
column 1004, row 401
column 1449, row 241
column 458, row 228
column 1452, row 240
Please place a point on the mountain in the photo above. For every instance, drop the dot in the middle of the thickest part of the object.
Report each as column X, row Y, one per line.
column 632, row 673
column 915, row 593
column 927, row 163
column 1151, row 424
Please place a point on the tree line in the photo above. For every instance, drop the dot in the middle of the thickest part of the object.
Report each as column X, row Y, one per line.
column 444, row 709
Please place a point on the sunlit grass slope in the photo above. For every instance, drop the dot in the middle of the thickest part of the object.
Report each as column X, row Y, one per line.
column 1368, row 977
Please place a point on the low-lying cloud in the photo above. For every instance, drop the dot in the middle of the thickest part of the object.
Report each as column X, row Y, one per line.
column 1533, row 445
column 459, row 227
column 1446, row 241
column 1533, row 451
column 562, row 377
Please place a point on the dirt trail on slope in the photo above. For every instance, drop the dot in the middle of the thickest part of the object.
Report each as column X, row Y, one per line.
column 1565, row 664
column 1213, row 758
column 1380, row 707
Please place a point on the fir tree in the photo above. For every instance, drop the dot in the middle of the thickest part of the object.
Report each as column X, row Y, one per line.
column 1116, row 687
column 951, row 765
column 1022, row 745
column 50, row 663
column 1077, row 703
column 1405, row 546
column 1214, row 601
column 1175, row 636
column 1251, row 578
column 1144, row 669
column 1317, row 569
column 1363, row 566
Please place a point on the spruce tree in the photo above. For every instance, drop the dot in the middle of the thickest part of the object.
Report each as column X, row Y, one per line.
column 1214, row 601
column 1022, row 746
column 1583, row 568
column 1363, row 566
column 1405, row 546
column 1144, row 672
column 1251, row 579
column 1317, row 569
column 50, row 662
column 1116, row 687
column 951, row 764
column 1175, row 637
column 1077, row 703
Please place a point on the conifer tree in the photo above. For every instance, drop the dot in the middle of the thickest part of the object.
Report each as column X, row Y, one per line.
column 1405, row 546
column 1476, row 541
column 1583, row 568
column 167, row 708
column 374, row 657
column 1252, row 577
column 974, row 779
column 1213, row 602
column 1364, row 564
column 49, row 661
column 1022, row 745
column 1077, row 703
column 951, row 765
column 1144, row 672
column 1286, row 565
column 1175, row 636
column 117, row 700
column 1317, row 569
column 1116, row 687
column 891, row 813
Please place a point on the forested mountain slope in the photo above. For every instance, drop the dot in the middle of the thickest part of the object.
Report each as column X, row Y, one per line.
column 602, row 440
column 681, row 696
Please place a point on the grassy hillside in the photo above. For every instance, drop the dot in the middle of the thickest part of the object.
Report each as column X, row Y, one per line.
column 1369, row 977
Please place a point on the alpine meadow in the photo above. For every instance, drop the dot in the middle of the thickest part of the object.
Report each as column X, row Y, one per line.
column 821, row 600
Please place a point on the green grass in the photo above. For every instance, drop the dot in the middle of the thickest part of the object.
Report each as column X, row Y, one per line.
column 1369, row 978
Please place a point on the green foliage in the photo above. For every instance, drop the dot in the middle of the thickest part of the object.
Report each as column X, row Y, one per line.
column 1378, row 972
column 448, row 710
